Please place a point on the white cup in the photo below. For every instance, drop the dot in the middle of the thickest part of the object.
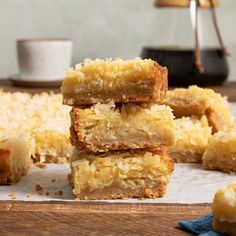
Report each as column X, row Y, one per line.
column 43, row 59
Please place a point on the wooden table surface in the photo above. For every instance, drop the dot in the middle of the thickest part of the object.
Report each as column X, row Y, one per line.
column 81, row 218
column 93, row 218
column 227, row 89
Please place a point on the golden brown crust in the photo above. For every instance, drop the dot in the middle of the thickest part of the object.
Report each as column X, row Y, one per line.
column 5, row 167
column 79, row 141
column 186, row 157
column 217, row 165
column 152, row 89
column 224, row 227
column 216, row 162
column 7, row 174
column 214, row 120
column 181, row 109
column 116, row 193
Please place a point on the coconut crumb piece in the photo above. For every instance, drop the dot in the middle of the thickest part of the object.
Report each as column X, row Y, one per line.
column 40, row 165
column 12, row 195
column 39, row 189
column 29, row 195
column 148, row 193
column 60, row 192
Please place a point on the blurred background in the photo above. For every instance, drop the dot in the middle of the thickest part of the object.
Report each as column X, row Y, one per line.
column 104, row 28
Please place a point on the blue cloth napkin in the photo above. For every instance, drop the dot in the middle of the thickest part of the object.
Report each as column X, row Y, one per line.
column 201, row 227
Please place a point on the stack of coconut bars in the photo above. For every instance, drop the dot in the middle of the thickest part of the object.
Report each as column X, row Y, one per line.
column 119, row 129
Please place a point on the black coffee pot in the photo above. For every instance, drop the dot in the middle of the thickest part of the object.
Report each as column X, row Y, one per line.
column 196, row 54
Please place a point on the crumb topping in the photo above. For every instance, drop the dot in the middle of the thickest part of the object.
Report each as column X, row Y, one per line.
column 40, row 165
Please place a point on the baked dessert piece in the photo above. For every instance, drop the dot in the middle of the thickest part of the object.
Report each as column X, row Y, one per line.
column 220, row 154
column 15, row 158
column 103, row 81
column 104, row 127
column 111, row 175
column 199, row 101
column 192, row 135
column 224, row 210
column 43, row 117
column 52, row 146
column 51, row 131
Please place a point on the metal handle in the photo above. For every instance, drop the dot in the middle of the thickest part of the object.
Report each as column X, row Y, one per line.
column 193, row 7
column 223, row 49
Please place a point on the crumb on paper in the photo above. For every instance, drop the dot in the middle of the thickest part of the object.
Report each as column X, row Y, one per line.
column 39, row 189
column 40, row 165
column 12, row 195
column 29, row 195
column 59, row 193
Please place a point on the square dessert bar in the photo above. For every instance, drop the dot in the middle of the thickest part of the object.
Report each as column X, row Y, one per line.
column 128, row 174
column 103, row 81
column 15, row 158
column 224, row 210
column 104, row 127
column 192, row 136
column 199, row 101
column 51, row 129
column 43, row 117
column 221, row 152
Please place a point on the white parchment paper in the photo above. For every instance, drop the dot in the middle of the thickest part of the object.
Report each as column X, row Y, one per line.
column 189, row 184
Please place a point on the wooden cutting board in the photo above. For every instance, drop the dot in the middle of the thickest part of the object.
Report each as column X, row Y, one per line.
column 95, row 218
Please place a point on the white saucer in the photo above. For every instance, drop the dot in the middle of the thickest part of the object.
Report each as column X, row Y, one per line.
column 18, row 80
